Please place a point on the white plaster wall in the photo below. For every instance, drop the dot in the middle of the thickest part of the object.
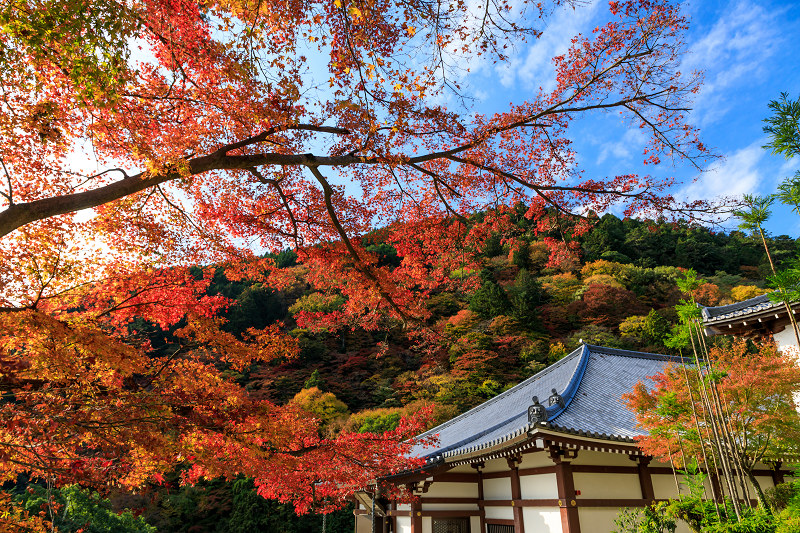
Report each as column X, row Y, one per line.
column 765, row 482
column 449, row 507
column 540, row 486
column 475, row 524
column 496, row 465
column 664, row 486
column 597, row 519
column 784, row 339
column 601, row 520
column 543, row 520
column 497, row 489
column 503, row 513
column 532, row 459
column 587, row 457
column 403, row 524
column 364, row 525
column 427, row 524
column 441, row 489
column 403, row 506
column 609, row 486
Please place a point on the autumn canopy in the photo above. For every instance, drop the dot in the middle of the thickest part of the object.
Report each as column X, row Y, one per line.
column 226, row 128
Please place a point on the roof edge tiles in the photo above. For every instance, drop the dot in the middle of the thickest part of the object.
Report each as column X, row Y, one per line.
column 741, row 309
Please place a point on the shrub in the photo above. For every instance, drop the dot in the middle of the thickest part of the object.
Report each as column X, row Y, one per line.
column 461, row 322
column 562, row 287
column 707, row 294
column 608, row 268
column 651, row 328
column 527, row 296
column 603, row 279
column 317, row 302
column 745, row 292
column 329, row 409
column 606, row 306
column 83, row 510
column 490, row 300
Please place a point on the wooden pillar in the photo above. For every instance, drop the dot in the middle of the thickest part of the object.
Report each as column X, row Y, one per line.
column 516, row 494
column 568, row 505
column 416, row 516
column 645, row 480
column 715, row 486
column 481, row 508
column 777, row 475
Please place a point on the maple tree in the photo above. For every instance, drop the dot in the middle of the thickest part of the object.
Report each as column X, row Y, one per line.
column 755, row 411
column 225, row 127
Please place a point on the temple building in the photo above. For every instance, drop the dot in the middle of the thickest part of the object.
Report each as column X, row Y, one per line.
column 554, row 454
column 756, row 317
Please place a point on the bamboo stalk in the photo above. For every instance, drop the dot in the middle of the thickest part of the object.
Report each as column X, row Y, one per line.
column 724, row 459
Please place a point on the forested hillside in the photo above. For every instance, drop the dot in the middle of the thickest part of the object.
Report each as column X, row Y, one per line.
column 527, row 303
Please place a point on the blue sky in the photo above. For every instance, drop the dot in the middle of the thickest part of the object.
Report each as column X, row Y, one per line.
column 749, row 54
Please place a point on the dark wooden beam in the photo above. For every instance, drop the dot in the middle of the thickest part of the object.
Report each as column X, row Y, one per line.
column 567, row 504
column 479, row 468
column 645, row 480
column 416, row 516
column 516, row 493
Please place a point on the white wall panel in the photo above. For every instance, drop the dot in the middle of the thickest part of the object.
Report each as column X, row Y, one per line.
column 543, row 520
column 540, row 486
column 497, row 489
column 609, row 486
column 441, row 489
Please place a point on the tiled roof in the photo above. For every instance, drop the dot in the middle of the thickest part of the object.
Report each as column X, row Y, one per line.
column 592, row 380
column 738, row 309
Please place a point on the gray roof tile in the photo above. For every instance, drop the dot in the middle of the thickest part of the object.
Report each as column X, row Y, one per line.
column 592, row 380
column 739, row 309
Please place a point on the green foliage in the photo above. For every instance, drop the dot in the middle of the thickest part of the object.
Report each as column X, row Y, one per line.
column 783, row 127
column 380, row 423
column 311, row 345
column 314, row 380
column 594, row 334
column 82, row 510
column 651, row 519
column 233, row 507
column 652, row 328
column 522, row 255
column 325, row 406
column 526, row 296
column 444, row 304
column 387, row 254
column 490, row 300
column 317, row 302
column 616, row 257
column 756, row 213
column 87, row 40
column 493, row 245
column 256, row 307
column 285, row 258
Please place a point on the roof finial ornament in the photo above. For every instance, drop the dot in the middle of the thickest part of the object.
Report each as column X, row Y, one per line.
column 537, row 412
column 556, row 399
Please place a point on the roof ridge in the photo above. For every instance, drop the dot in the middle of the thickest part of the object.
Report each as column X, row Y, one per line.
column 632, row 353
column 497, row 398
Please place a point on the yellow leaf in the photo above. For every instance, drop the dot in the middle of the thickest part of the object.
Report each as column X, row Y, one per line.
column 355, row 12
column 337, row 3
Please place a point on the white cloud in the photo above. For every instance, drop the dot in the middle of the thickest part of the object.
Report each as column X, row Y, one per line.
column 739, row 173
column 533, row 65
column 733, row 55
column 631, row 142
